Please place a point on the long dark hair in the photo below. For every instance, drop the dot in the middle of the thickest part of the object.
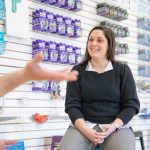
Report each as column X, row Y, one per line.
column 109, row 34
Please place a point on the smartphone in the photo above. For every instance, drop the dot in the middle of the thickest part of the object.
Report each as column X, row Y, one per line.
column 97, row 128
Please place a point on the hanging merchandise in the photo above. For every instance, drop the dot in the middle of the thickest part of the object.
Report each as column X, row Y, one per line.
column 119, row 31
column 19, row 145
column 2, row 43
column 45, row 21
column 143, row 23
column 143, row 86
column 57, row 52
column 40, row 119
column 144, row 39
column 2, row 10
column 122, row 48
column 71, row 5
column 14, row 5
column 144, row 54
column 144, row 70
column 112, row 12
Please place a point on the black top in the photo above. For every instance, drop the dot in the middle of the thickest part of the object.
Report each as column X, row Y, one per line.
column 102, row 97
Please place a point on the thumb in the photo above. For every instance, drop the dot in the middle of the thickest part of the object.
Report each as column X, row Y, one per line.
column 67, row 69
column 105, row 127
column 37, row 58
column 10, row 142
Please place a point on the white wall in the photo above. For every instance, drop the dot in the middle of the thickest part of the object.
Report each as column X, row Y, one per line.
column 38, row 137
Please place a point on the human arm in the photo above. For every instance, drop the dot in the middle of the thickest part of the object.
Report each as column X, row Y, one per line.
column 32, row 71
column 3, row 143
column 129, row 102
column 73, row 102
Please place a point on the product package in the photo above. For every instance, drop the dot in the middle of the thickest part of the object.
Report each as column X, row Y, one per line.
column 2, row 10
column 18, row 146
column 2, row 43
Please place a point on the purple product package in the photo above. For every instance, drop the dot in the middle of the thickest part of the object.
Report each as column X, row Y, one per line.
column 53, row 53
column 49, row 86
column 53, row 2
column 55, row 142
column 45, row 52
column 52, row 26
column 77, row 28
column 42, row 1
column 62, row 3
column 78, row 57
column 69, row 27
column 36, row 15
column 47, row 46
column 70, row 4
column 62, row 54
column 78, row 5
column 55, row 90
column 45, row 1
column 54, row 86
column 71, row 55
column 40, row 85
column 33, row 48
column 33, row 20
column 60, row 25
column 45, row 85
column 42, row 20
column 36, row 86
column 40, row 47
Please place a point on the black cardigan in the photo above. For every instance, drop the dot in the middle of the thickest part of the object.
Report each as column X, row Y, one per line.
column 102, row 97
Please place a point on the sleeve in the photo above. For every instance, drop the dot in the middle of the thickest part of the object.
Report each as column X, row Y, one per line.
column 130, row 104
column 73, row 98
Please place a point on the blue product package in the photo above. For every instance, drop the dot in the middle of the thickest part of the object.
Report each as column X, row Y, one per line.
column 18, row 146
column 2, row 43
column 1, row 36
column 2, row 10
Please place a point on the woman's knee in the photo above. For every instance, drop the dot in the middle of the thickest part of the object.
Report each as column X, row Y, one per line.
column 122, row 139
column 73, row 140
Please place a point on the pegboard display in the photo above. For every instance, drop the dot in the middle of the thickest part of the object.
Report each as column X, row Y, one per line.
column 60, row 28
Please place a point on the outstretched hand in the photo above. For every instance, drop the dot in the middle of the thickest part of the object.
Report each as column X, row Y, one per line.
column 33, row 71
column 3, row 143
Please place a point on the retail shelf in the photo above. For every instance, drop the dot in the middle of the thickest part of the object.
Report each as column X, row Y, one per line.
column 7, row 118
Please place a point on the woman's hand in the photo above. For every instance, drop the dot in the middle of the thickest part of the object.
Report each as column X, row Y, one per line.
column 108, row 129
column 94, row 136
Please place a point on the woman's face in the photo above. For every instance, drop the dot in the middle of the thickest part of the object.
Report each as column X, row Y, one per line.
column 97, row 45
